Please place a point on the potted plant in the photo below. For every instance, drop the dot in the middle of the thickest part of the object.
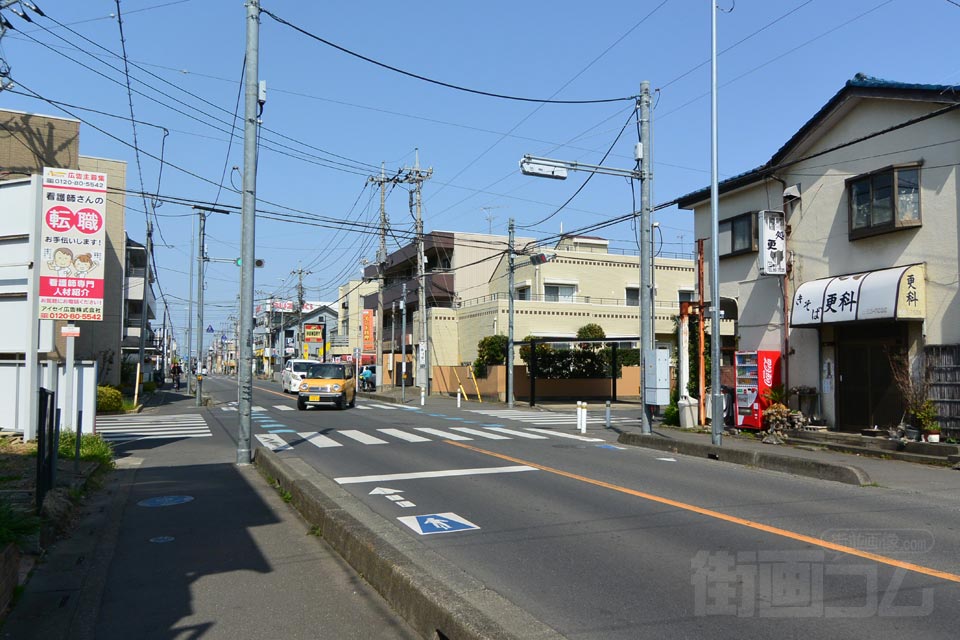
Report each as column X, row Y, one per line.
column 913, row 382
column 925, row 419
column 776, row 419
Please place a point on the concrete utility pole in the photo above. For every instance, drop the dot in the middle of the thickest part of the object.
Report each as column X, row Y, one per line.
column 715, row 391
column 403, row 343
column 189, row 341
column 143, row 307
column 417, row 176
column 300, row 301
column 251, row 121
column 510, row 293
column 201, row 259
column 381, row 266
column 647, row 360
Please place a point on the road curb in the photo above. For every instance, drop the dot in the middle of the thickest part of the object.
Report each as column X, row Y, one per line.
column 847, row 474
column 436, row 598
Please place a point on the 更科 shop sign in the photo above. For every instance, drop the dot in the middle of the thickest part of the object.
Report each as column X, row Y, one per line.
column 72, row 244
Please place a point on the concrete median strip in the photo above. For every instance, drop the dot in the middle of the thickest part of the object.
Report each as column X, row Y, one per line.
column 436, row 598
column 796, row 465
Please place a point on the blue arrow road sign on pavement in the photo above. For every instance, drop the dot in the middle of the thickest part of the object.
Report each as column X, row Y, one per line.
column 437, row 523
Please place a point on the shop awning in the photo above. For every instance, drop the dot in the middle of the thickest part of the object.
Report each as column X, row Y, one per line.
column 897, row 293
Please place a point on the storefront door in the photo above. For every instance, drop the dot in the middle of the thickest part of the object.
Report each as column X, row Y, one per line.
column 866, row 394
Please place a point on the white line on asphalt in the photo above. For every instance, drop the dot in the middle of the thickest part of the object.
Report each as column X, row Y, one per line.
column 360, row 436
column 257, row 408
column 283, row 407
column 383, row 406
column 480, row 432
column 433, row 474
column 442, row 434
column 565, row 435
column 274, row 442
column 519, row 434
column 319, row 440
column 360, row 406
column 403, row 435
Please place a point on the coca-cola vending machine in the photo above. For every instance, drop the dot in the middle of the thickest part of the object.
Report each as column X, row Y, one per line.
column 757, row 373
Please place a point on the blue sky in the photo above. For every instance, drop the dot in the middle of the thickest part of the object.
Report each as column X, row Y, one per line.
column 331, row 119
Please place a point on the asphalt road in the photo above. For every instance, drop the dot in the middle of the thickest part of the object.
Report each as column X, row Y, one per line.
column 603, row 541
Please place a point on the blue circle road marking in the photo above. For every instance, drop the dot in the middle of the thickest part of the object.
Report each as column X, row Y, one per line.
column 162, row 539
column 165, row 501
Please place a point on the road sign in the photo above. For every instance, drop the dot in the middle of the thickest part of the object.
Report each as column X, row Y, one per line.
column 209, row 328
column 437, row 523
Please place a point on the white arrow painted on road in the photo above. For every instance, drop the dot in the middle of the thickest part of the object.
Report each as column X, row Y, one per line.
column 384, row 491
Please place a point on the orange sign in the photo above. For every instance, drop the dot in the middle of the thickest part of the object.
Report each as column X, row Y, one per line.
column 369, row 331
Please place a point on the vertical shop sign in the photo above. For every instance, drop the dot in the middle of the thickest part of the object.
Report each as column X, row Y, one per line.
column 72, row 244
column 369, row 340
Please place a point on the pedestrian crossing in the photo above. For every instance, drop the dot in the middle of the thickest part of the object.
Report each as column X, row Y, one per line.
column 333, row 438
column 234, row 406
column 127, row 428
column 549, row 418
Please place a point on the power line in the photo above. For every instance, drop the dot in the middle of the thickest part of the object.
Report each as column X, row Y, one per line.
column 430, row 80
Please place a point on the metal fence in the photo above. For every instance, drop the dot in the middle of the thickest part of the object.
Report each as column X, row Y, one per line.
column 944, row 363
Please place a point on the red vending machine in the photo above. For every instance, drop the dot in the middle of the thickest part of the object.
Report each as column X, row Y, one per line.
column 757, row 373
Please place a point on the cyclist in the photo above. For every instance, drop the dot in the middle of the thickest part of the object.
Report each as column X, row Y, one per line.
column 176, row 372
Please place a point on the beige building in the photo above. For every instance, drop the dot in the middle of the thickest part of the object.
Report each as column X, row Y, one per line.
column 584, row 283
column 869, row 191
column 30, row 142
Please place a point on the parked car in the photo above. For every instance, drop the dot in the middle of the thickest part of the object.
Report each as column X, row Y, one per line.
column 292, row 374
column 328, row 383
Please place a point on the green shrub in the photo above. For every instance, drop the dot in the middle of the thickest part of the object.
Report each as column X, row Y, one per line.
column 92, row 447
column 671, row 415
column 109, row 399
column 15, row 525
column 149, row 386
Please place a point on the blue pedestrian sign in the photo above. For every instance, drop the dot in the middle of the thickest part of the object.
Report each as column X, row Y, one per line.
column 223, row 338
column 209, row 328
column 437, row 523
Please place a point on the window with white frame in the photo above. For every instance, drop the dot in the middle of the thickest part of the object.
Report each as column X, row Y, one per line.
column 884, row 200
column 559, row 292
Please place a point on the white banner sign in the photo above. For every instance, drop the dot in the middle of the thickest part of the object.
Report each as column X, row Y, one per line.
column 773, row 243
column 72, row 244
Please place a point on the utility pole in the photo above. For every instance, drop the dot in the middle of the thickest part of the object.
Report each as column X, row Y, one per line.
column 646, row 294
column 403, row 343
column 716, row 426
column 510, row 241
column 201, row 267
column 300, row 273
column 251, row 121
column 417, row 176
column 381, row 266
column 143, row 307
column 190, row 379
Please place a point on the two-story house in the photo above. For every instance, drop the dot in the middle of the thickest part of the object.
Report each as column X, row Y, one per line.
column 868, row 187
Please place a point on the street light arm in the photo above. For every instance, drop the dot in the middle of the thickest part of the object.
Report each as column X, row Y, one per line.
column 580, row 166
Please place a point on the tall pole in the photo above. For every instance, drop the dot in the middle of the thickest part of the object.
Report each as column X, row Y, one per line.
column 393, row 340
column 247, row 239
column 717, row 396
column 201, row 259
column 144, row 309
column 424, row 360
column 381, row 264
column 300, row 302
column 510, row 241
column 189, row 341
column 646, row 320
column 403, row 342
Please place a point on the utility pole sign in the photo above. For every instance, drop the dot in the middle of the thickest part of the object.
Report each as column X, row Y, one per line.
column 72, row 245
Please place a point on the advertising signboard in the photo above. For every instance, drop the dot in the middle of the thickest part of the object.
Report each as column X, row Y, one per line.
column 773, row 244
column 369, row 332
column 314, row 333
column 72, row 244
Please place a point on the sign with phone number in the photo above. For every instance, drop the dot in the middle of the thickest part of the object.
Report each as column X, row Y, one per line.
column 66, row 315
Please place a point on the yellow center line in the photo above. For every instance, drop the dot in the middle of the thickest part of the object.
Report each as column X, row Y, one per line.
column 951, row 577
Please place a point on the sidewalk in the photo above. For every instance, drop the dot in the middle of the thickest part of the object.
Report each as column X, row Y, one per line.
column 182, row 542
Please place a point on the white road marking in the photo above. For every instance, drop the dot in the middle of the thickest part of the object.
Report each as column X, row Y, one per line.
column 433, row 474
column 519, row 434
column 383, row 406
column 257, row 408
column 403, row 435
column 442, row 434
column 480, row 432
column 128, row 428
column 364, row 407
column 565, row 435
column 405, row 504
column 319, row 440
column 283, row 407
column 360, row 436
column 273, row 442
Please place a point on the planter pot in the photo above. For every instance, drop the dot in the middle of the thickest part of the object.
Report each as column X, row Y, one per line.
column 933, row 437
column 911, row 434
column 872, row 433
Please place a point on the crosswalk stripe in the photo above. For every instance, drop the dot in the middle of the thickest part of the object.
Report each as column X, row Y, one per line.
column 364, row 407
column 565, row 435
column 360, row 436
column 519, row 434
column 274, row 443
column 257, row 408
column 166, row 436
column 403, row 435
column 442, row 434
column 228, row 409
column 479, row 432
column 157, row 430
column 121, row 429
column 319, row 440
column 283, row 407
column 383, row 406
